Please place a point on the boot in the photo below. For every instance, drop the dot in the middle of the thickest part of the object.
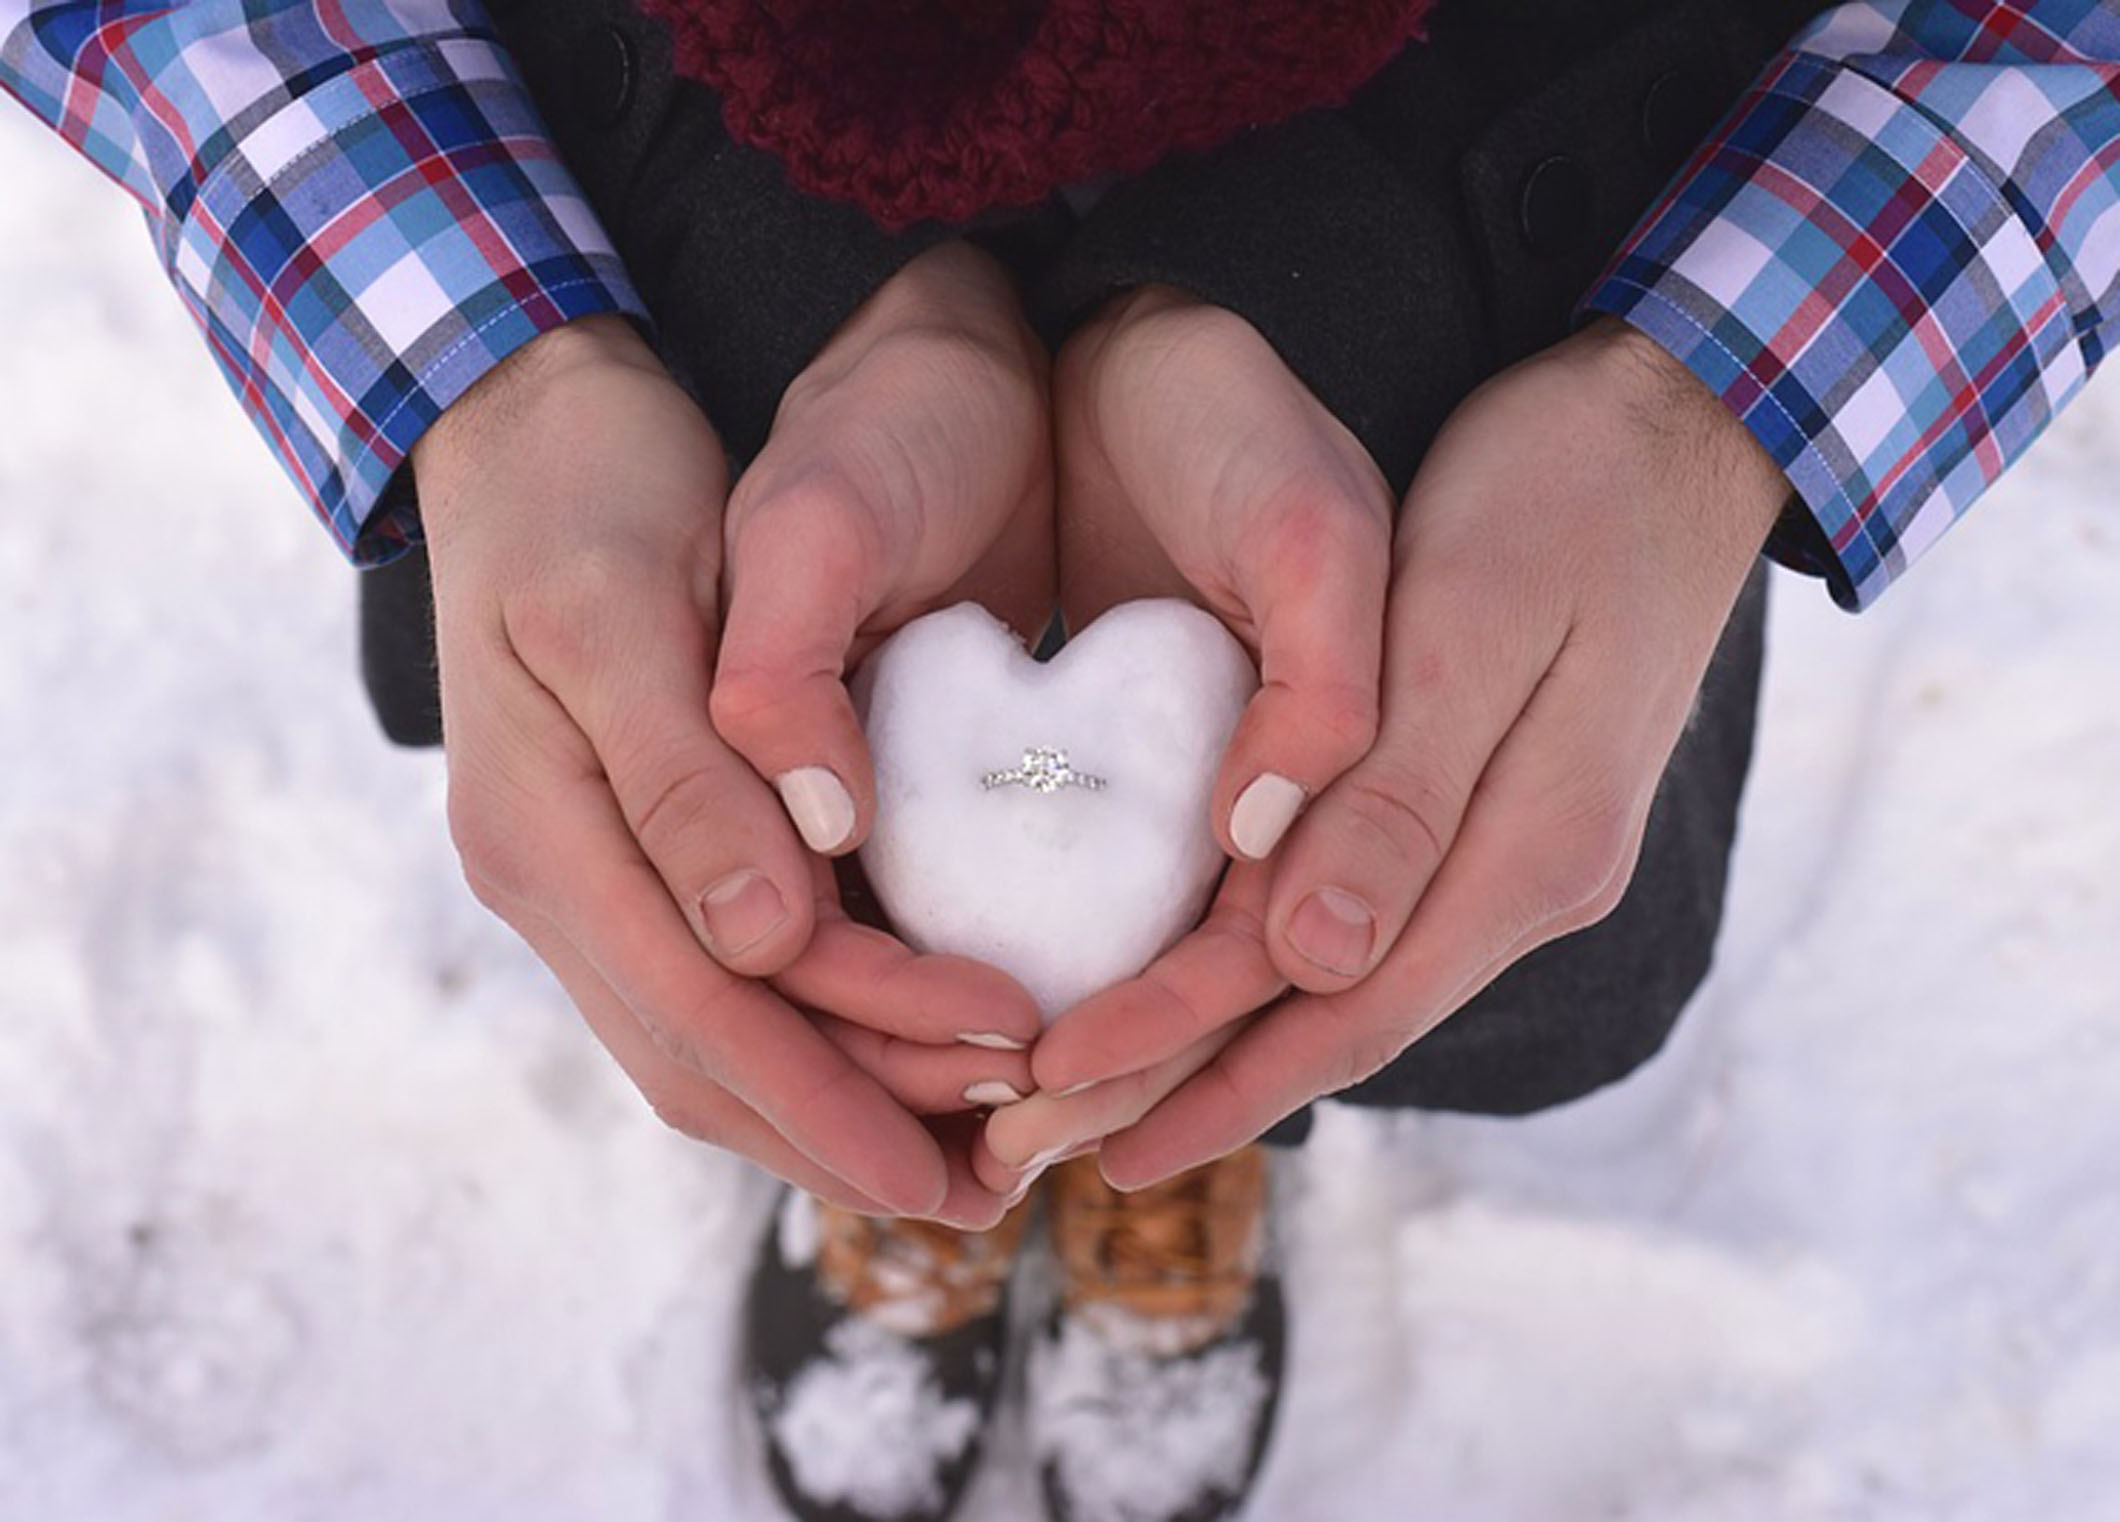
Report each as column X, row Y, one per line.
column 1154, row 1386
column 874, row 1358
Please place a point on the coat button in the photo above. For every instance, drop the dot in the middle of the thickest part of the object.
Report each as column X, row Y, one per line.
column 1677, row 113
column 1555, row 209
column 605, row 74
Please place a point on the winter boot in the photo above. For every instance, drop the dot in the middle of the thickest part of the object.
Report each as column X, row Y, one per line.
column 1153, row 1388
column 874, row 1358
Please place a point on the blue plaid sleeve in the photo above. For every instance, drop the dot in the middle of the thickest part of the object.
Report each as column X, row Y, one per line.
column 1898, row 258
column 355, row 200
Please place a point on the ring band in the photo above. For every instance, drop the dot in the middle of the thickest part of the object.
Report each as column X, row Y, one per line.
column 1044, row 769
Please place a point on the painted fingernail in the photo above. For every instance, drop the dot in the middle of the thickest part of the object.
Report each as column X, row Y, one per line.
column 991, row 1094
column 993, row 1041
column 820, row 805
column 740, row 911
column 1334, row 930
column 1263, row 813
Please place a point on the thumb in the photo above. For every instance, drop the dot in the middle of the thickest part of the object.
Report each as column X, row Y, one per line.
column 797, row 575
column 1316, row 590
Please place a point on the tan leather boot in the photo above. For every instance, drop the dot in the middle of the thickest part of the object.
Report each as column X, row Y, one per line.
column 1154, row 1388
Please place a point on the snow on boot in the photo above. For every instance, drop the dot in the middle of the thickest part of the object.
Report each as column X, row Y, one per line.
column 874, row 1357
column 1153, row 1388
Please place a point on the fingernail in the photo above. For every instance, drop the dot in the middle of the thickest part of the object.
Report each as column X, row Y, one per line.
column 993, row 1041
column 820, row 805
column 1263, row 814
column 740, row 911
column 1038, row 1163
column 1074, row 1089
column 1335, row 931
column 991, row 1094
column 973, row 1226
column 1023, row 1187
column 1059, row 1154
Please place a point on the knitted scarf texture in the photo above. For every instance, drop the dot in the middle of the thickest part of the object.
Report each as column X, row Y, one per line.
column 918, row 109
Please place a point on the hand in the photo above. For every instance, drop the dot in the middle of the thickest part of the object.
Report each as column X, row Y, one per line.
column 1194, row 464
column 573, row 503
column 909, row 467
column 1563, row 569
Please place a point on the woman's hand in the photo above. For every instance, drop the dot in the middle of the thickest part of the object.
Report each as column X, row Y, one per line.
column 1194, row 464
column 910, row 466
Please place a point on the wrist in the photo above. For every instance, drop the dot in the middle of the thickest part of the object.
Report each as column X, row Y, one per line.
column 1677, row 414
column 506, row 397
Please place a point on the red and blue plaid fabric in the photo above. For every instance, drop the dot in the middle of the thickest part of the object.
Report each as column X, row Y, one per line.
column 1898, row 258
column 355, row 199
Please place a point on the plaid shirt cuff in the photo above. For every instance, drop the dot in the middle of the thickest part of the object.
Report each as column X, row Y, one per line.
column 362, row 255
column 1858, row 288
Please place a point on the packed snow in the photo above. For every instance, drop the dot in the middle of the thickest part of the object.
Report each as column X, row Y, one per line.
column 317, row 1201
column 1069, row 881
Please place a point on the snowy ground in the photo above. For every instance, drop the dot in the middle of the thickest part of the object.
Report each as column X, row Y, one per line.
column 316, row 1202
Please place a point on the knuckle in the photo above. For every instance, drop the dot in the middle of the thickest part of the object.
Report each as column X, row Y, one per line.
column 807, row 490
column 1414, row 815
column 669, row 809
column 488, row 849
column 487, row 893
column 683, row 1041
column 1321, row 535
column 1365, row 1056
column 748, row 701
column 1344, row 718
column 1588, row 847
column 1600, row 905
column 674, row 1109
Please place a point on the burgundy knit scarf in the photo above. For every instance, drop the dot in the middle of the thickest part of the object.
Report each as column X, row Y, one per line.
column 943, row 108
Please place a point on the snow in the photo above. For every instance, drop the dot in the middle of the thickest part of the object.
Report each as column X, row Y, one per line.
column 316, row 1201
column 1139, row 1439
column 866, row 1425
column 1068, row 888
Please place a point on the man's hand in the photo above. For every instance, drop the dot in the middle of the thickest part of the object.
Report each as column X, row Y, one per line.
column 574, row 507
column 1563, row 568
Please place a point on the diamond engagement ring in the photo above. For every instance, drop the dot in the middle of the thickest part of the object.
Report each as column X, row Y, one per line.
column 1044, row 770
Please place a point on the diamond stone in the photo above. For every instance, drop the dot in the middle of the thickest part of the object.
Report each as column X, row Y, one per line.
column 1045, row 769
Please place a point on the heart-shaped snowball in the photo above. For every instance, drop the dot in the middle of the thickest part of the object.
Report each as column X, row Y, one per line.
column 1069, row 871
